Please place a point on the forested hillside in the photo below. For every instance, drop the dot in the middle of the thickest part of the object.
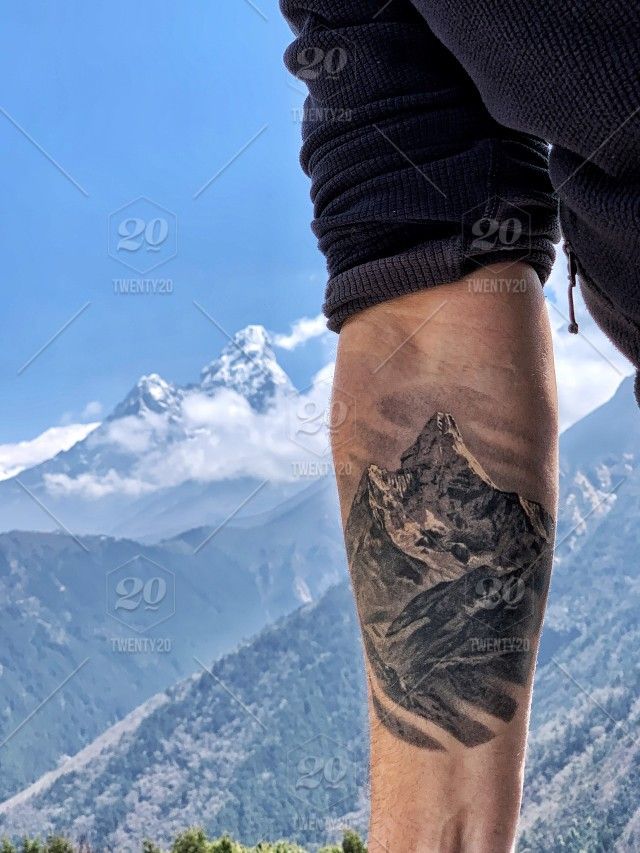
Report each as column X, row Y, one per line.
column 92, row 626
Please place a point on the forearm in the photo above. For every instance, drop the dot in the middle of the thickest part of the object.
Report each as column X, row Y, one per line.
column 448, row 461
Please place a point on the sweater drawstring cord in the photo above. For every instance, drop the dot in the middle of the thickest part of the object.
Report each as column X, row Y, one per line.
column 573, row 269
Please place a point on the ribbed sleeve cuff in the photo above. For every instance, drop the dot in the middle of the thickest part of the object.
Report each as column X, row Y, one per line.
column 435, row 263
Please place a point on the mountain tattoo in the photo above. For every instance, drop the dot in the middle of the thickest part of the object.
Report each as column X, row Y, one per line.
column 450, row 575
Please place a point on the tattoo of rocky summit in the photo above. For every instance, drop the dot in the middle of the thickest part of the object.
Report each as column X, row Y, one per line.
column 450, row 575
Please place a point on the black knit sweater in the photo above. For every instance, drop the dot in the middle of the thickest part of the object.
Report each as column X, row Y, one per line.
column 440, row 136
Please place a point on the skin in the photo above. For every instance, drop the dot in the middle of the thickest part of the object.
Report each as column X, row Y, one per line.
column 448, row 734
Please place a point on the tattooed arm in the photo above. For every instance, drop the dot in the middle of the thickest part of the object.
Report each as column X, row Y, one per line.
column 447, row 479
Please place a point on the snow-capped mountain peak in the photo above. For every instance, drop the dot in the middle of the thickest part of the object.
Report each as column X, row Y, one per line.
column 252, row 339
column 174, row 444
column 248, row 365
column 150, row 393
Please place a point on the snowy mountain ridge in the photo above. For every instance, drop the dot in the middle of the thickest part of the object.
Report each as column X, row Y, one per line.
column 170, row 457
column 152, row 393
column 249, row 366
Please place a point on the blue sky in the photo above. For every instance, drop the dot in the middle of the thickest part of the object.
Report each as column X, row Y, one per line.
column 143, row 100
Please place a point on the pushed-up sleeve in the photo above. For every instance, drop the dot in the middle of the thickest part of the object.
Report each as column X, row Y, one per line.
column 413, row 183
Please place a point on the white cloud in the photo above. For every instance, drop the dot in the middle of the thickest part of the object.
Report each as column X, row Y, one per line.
column 226, row 438
column 219, row 437
column 325, row 375
column 302, row 330
column 588, row 367
column 20, row 455
column 132, row 434
column 92, row 486
column 92, row 410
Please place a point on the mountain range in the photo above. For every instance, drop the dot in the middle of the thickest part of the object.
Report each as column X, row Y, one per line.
column 270, row 739
column 172, row 457
column 136, row 617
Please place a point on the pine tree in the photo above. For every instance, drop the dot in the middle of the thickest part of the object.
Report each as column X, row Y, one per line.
column 351, row 843
column 194, row 840
column 56, row 844
column 224, row 845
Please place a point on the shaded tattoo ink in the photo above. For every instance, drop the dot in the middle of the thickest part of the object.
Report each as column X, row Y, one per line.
column 401, row 728
column 450, row 574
